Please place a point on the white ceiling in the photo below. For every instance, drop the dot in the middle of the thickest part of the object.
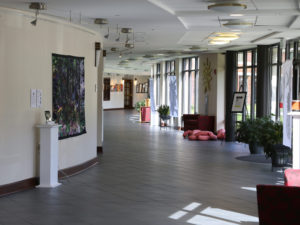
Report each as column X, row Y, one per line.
column 171, row 26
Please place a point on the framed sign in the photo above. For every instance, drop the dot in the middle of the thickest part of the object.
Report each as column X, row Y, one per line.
column 238, row 102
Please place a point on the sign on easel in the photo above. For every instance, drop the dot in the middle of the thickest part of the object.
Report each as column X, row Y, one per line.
column 238, row 102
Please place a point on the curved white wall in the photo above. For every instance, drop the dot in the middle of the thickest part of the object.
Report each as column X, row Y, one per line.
column 25, row 62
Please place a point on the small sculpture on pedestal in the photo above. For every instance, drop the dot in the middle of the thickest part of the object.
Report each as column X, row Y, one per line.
column 48, row 118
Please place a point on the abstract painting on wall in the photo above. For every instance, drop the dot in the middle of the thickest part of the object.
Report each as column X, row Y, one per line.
column 68, row 95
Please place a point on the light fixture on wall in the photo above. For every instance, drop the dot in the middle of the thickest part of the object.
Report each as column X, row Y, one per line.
column 37, row 6
column 135, row 81
column 229, row 7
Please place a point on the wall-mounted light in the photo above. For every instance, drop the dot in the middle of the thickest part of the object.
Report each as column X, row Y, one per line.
column 37, row 6
column 135, row 81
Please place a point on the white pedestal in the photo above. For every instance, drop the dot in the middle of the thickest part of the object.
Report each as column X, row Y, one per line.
column 48, row 155
column 296, row 139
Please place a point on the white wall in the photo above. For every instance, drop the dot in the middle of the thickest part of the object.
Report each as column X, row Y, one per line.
column 25, row 63
column 116, row 98
column 216, row 99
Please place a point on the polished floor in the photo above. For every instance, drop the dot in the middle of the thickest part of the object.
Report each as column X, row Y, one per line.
column 149, row 176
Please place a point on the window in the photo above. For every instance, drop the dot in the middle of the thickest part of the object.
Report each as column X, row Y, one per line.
column 170, row 71
column 158, row 83
column 275, row 73
column 246, row 80
column 190, row 87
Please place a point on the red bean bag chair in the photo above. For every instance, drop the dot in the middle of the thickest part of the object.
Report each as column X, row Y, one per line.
column 221, row 134
column 203, row 137
column 187, row 133
column 193, row 138
column 292, row 177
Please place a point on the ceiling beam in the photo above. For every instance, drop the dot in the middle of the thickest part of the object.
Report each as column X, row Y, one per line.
column 293, row 21
column 297, row 4
column 262, row 12
column 265, row 37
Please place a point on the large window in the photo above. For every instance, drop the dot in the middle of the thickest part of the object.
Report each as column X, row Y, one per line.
column 274, row 63
column 246, row 80
column 190, row 88
column 158, row 83
column 170, row 71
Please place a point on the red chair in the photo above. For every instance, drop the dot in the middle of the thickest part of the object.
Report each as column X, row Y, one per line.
column 278, row 205
column 198, row 122
column 292, row 177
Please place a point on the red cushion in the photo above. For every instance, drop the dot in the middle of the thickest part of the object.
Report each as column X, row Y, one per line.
column 192, row 138
column 292, row 177
column 203, row 137
column 212, row 136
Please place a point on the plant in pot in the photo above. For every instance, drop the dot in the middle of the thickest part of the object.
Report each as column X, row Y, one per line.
column 139, row 104
column 271, row 134
column 248, row 132
column 164, row 113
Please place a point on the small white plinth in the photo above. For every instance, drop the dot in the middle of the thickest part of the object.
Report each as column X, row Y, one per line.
column 296, row 139
column 48, row 155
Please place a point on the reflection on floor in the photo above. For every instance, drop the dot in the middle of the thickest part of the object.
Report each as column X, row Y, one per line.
column 146, row 174
column 212, row 216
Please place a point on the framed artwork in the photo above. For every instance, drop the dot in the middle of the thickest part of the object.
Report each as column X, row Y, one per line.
column 106, row 89
column 142, row 88
column 68, row 95
column 238, row 102
column 116, row 88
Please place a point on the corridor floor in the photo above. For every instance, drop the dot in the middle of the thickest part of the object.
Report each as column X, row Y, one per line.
column 149, row 176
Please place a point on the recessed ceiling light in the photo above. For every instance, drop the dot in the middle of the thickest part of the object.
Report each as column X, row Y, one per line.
column 227, row 7
column 236, row 15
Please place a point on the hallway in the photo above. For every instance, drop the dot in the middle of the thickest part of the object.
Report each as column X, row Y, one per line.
column 145, row 175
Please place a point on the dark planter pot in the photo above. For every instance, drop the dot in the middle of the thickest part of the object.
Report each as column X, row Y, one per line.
column 255, row 148
column 282, row 156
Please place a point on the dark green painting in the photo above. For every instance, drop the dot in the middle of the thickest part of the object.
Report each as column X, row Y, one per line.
column 68, row 95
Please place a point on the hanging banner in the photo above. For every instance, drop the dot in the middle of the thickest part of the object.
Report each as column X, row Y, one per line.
column 152, row 95
column 286, row 90
column 173, row 96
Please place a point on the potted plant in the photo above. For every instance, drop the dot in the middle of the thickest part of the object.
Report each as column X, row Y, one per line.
column 248, row 132
column 139, row 104
column 271, row 134
column 164, row 113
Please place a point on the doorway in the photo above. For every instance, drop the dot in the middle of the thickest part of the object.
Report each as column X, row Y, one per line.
column 128, row 94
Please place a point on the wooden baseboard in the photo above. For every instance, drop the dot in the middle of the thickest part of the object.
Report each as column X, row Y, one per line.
column 113, row 109
column 99, row 150
column 18, row 186
column 32, row 182
column 78, row 168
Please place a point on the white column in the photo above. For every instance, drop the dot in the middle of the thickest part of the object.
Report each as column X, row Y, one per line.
column 296, row 139
column 48, row 155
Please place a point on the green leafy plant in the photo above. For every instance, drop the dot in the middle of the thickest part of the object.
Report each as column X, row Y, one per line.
column 260, row 131
column 271, row 133
column 139, row 104
column 163, row 110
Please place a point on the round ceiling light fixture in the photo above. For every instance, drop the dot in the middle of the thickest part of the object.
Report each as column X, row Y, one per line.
column 219, row 42
column 237, row 24
column 227, row 7
column 101, row 21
